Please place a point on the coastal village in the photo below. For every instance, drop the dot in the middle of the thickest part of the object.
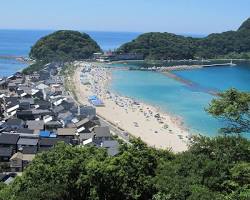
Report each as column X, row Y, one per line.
column 36, row 112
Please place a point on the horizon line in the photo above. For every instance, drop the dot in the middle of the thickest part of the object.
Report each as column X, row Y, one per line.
column 105, row 31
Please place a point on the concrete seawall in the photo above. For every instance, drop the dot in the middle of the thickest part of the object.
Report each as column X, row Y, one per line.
column 192, row 85
column 190, row 67
column 18, row 58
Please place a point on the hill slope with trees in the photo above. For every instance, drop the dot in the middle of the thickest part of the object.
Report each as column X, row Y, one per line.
column 164, row 46
column 213, row 168
column 64, row 45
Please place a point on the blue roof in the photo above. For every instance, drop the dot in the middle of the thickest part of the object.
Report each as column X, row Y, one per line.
column 97, row 102
column 44, row 133
column 53, row 135
column 94, row 97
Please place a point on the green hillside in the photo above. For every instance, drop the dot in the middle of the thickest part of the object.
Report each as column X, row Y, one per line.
column 164, row 46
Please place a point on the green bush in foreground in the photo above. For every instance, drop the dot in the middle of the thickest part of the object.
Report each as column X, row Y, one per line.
column 216, row 168
column 233, row 107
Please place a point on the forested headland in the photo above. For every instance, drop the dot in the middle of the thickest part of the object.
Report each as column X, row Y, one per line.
column 167, row 46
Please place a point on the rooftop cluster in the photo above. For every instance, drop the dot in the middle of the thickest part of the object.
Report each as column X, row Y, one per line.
column 37, row 113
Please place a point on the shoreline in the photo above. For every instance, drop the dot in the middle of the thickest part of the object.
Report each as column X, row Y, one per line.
column 157, row 128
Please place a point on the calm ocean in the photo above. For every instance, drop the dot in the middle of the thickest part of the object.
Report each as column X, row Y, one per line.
column 180, row 99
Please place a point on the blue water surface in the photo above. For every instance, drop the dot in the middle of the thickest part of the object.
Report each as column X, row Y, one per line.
column 19, row 42
column 180, row 99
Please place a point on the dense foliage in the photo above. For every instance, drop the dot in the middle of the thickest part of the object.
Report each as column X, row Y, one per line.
column 213, row 168
column 245, row 25
column 233, row 107
column 64, row 46
column 159, row 46
column 35, row 67
column 165, row 46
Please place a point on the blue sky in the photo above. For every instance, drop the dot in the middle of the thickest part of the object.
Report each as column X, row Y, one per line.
column 176, row 16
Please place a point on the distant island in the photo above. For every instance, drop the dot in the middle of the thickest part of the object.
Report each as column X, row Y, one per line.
column 64, row 45
column 61, row 46
column 165, row 46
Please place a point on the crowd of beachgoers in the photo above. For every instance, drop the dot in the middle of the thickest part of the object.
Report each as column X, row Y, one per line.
column 159, row 129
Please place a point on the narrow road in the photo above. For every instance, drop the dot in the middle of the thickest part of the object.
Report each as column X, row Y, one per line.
column 113, row 128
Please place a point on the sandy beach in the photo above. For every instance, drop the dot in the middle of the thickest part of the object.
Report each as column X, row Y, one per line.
column 155, row 128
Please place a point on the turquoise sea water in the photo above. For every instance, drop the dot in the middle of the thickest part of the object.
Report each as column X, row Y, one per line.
column 180, row 99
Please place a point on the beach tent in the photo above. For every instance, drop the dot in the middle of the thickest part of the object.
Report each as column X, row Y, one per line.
column 44, row 133
column 94, row 97
column 97, row 102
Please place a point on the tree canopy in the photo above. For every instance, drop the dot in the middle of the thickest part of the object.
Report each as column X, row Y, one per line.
column 233, row 107
column 64, row 45
column 245, row 25
column 164, row 46
column 215, row 168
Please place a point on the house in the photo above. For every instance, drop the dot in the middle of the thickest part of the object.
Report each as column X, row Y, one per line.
column 25, row 131
column 19, row 92
column 84, row 124
column 67, row 105
column 87, row 111
column 24, row 105
column 9, row 140
column 112, row 147
column 42, row 86
column 66, row 133
column 25, row 115
column 47, row 143
column 44, row 75
column 29, row 150
column 3, row 84
column 65, row 117
column 40, row 113
column 89, row 141
column 5, row 154
column 24, row 142
column 12, row 87
column 35, row 125
column 34, row 77
column 44, row 134
column 37, row 94
column 127, row 56
column 51, row 125
column 102, row 133
column 85, row 136
column 12, row 100
column 7, row 178
column 58, row 109
column 15, row 124
column 44, row 105
column 19, row 161
column 11, row 108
